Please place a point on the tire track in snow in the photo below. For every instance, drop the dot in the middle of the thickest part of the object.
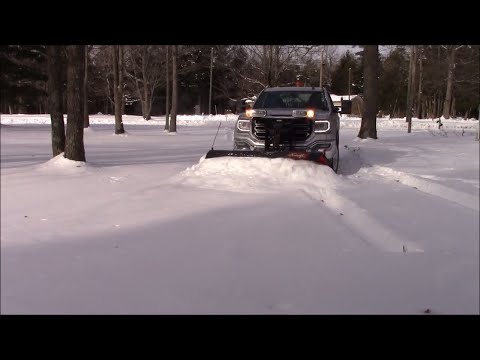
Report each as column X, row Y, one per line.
column 467, row 200
column 361, row 222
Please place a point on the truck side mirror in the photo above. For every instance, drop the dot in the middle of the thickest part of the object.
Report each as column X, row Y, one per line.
column 346, row 106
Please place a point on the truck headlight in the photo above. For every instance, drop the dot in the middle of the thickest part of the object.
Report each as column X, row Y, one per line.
column 244, row 125
column 255, row 113
column 303, row 113
column 322, row 126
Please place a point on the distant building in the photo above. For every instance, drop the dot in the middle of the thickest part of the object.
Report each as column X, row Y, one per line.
column 357, row 103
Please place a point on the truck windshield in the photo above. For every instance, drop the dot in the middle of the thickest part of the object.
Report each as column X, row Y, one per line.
column 291, row 100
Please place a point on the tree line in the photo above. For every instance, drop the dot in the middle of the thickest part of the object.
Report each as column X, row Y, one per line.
column 444, row 79
column 422, row 81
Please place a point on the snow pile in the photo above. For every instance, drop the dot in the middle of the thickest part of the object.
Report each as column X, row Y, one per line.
column 253, row 175
column 61, row 165
column 417, row 124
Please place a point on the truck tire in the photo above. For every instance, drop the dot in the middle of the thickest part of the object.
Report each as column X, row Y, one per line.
column 335, row 160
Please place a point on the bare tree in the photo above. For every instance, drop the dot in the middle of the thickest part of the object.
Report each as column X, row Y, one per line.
column 145, row 73
column 86, row 120
column 368, row 127
column 331, row 57
column 167, row 88
column 55, row 69
column 74, row 147
column 268, row 62
column 411, row 87
column 451, row 49
column 173, row 120
column 117, row 88
column 122, row 70
column 418, row 105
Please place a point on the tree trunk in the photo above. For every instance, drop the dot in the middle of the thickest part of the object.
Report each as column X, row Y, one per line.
column 74, row 148
column 86, row 120
column 117, row 81
column 448, row 94
column 267, row 60
column 211, row 83
column 167, row 90
column 418, row 109
column 368, row 127
column 173, row 120
column 64, row 106
column 137, row 82
column 414, row 77
column 394, row 108
column 276, row 65
column 147, row 103
column 121, row 64
column 453, row 113
column 55, row 69
column 424, row 108
column 410, row 88
column 439, row 109
column 146, row 112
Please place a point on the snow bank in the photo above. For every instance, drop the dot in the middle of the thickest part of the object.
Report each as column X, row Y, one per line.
column 61, row 165
column 417, row 124
column 182, row 120
column 201, row 120
column 257, row 174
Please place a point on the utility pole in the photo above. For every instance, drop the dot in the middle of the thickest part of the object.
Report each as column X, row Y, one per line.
column 321, row 70
column 478, row 127
column 86, row 120
column 211, row 77
column 349, row 81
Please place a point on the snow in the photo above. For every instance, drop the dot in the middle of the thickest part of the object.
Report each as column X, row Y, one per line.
column 338, row 98
column 346, row 121
column 149, row 226
column 190, row 120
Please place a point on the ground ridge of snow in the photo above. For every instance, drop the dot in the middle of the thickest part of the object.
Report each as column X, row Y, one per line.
column 444, row 192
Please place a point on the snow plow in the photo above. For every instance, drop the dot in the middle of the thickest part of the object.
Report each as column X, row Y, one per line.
column 299, row 123
column 318, row 157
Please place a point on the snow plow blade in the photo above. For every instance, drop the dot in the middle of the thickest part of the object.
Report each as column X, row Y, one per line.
column 317, row 157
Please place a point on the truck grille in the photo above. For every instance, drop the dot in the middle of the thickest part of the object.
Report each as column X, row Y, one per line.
column 301, row 128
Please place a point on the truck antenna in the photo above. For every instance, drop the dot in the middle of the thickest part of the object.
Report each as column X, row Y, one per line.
column 216, row 134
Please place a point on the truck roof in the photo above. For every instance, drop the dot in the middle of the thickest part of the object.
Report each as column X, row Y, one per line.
column 293, row 88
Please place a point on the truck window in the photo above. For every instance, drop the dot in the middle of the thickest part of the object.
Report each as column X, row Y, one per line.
column 292, row 100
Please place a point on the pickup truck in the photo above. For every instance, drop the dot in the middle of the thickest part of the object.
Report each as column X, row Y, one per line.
column 292, row 120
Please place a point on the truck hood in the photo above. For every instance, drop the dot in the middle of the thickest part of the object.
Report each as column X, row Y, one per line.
column 288, row 112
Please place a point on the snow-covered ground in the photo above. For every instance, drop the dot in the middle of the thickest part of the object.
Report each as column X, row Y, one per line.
column 149, row 226
column 347, row 121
